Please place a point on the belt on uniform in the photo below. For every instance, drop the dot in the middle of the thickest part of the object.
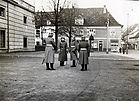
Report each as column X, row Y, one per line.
column 83, row 49
column 72, row 46
column 49, row 45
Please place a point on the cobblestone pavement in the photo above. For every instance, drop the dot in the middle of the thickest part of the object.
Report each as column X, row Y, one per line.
column 109, row 78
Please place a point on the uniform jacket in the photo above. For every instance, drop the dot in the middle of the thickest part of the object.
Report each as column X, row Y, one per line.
column 83, row 54
column 63, row 51
column 49, row 50
column 73, row 50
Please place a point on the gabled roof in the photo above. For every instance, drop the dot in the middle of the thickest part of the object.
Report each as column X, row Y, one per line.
column 92, row 17
column 96, row 17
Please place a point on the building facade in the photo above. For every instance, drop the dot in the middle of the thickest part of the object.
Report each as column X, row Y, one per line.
column 17, row 26
column 92, row 21
column 131, row 36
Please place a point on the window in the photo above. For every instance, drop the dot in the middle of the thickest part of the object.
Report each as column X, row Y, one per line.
column 25, row 42
column 37, row 33
column 2, row 11
column 79, row 20
column 2, row 38
column 25, row 19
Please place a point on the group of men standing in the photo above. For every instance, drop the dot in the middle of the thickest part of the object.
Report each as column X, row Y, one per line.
column 82, row 47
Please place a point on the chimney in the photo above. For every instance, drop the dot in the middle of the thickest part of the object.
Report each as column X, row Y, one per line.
column 104, row 9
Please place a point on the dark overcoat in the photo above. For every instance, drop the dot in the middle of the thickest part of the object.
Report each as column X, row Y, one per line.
column 63, row 51
column 49, row 50
column 84, row 52
column 73, row 50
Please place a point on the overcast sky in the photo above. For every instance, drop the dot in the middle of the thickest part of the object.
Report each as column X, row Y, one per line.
column 124, row 11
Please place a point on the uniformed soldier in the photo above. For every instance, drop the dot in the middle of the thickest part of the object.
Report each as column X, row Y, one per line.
column 63, row 51
column 73, row 52
column 49, row 52
column 83, row 53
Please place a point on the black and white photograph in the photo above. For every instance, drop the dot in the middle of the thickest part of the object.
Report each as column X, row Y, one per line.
column 69, row 50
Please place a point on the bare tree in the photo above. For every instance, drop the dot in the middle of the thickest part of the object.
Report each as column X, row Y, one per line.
column 61, row 16
column 57, row 6
column 67, row 22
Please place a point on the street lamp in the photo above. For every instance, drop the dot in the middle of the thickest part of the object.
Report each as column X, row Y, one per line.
column 91, row 39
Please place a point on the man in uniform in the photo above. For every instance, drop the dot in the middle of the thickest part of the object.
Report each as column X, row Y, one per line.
column 49, row 52
column 83, row 53
column 63, row 51
column 73, row 52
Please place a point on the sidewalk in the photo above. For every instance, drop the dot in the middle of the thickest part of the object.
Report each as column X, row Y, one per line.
column 131, row 54
column 38, row 54
column 24, row 54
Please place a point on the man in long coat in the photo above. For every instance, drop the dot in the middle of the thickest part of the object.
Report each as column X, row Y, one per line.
column 63, row 51
column 73, row 52
column 83, row 53
column 49, row 52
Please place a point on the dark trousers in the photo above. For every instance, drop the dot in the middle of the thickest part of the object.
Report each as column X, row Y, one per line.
column 51, row 65
column 84, row 67
column 61, row 63
column 73, row 63
column 123, row 51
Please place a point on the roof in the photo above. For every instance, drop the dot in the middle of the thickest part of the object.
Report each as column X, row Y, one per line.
column 96, row 17
column 136, row 36
column 133, row 31
column 92, row 16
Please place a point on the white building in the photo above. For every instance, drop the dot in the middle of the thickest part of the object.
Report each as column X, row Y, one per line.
column 87, row 22
column 42, row 33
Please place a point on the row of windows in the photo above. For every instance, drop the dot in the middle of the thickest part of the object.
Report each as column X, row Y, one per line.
column 90, row 31
column 2, row 40
column 2, row 14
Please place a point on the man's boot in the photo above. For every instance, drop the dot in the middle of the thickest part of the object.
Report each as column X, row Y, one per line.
column 47, row 66
column 73, row 65
column 61, row 63
column 82, row 67
column 52, row 68
column 86, row 67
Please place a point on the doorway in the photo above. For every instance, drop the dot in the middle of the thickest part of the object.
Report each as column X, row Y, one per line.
column 100, row 46
column 25, row 42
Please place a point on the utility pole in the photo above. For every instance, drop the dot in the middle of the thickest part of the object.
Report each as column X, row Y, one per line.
column 107, row 50
column 127, row 34
column 127, row 31
column 107, row 27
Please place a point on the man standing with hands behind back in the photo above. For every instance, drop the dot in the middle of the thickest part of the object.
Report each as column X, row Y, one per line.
column 84, row 51
column 49, row 52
